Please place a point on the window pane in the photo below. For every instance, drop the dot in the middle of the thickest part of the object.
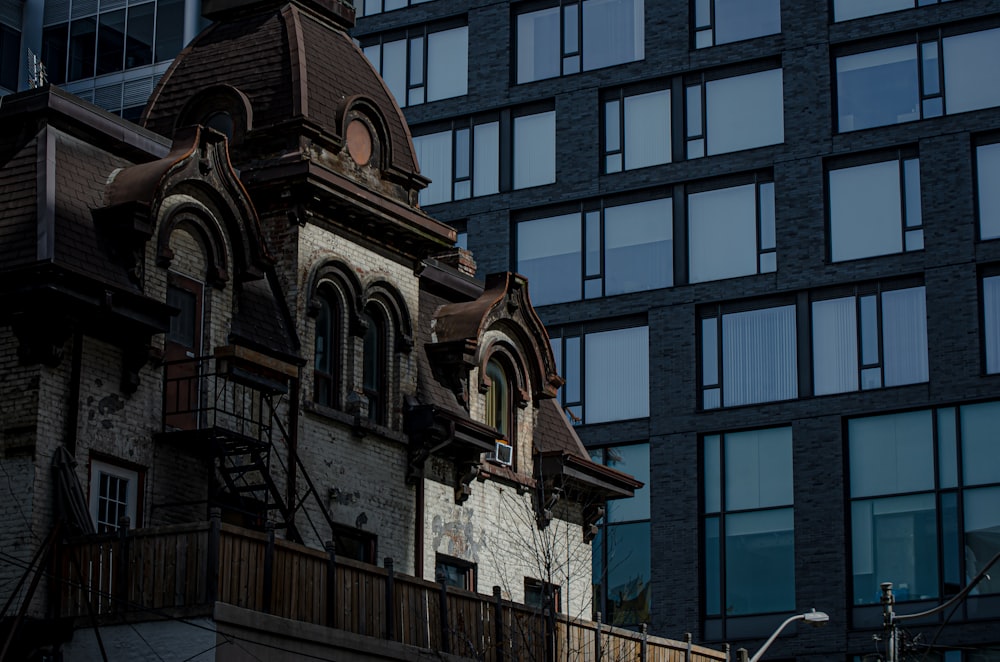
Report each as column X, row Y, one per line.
column 759, row 356
column 538, row 51
column 744, row 112
column 980, row 446
column 572, row 374
column 835, row 346
column 139, row 45
column 633, row 460
column 394, row 69
column 534, row 150
column 82, row 45
column 865, row 211
column 947, row 448
column 647, row 129
column 447, row 63
column 612, row 126
column 736, row 20
column 845, row 10
column 54, row 39
column 758, row 469
column 767, row 216
column 110, row 42
column 911, row 188
column 991, row 323
column 617, row 375
column 713, row 470
column 612, row 32
column 169, row 28
column 968, row 83
column 434, row 157
column 988, row 173
column 760, row 562
column 895, row 540
column 638, row 247
column 486, row 162
column 713, row 570
column 628, row 568
column 462, row 148
column 549, row 255
column 722, row 233
column 982, row 535
column 904, row 336
column 891, row 454
column 877, row 88
column 710, row 351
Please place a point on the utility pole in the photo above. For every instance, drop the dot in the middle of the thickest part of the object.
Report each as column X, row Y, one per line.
column 889, row 622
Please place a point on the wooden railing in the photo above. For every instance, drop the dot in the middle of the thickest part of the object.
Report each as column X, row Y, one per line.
column 160, row 571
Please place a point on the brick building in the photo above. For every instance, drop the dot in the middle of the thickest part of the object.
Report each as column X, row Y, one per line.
column 242, row 369
column 763, row 236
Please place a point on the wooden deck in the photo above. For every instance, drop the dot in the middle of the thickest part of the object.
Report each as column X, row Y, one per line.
column 167, row 570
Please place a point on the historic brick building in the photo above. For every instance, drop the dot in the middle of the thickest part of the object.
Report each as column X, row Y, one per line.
column 239, row 316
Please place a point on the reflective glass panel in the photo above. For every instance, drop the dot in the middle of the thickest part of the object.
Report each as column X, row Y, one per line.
column 447, row 63
column 613, row 32
column 638, row 247
column 647, row 129
column 628, row 573
column 744, row 112
column 835, row 346
column 760, row 562
column 877, row 88
column 758, row 469
column 722, row 233
column 991, row 323
column 980, row 444
column 617, row 375
column 139, row 42
column 988, row 190
column 865, row 211
column 891, row 454
column 904, row 336
column 534, row 150
column 486, row 159
column 968, row 83
column 538, row 50
column 736, row 20
column 549, row 255
column 759, row 356
column 633, row 460
column 434, row 157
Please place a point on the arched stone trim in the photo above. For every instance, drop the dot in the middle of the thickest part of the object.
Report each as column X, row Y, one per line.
column 335, row 274
column 365, row 110
column 513, row 360
column 216, row 100
column 399, row 315
column 183, row 211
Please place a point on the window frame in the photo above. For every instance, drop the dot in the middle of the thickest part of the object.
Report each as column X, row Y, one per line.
column 571, row 48
column 366, row 541
column 711, row 26
column 712, row 392
column 619, row 98
column 569, row 340
column 101, row 466
column 467, row 570
column 416, row 91
column 469, row 125
column 990, row 143
column 911, row 230
column 722, row 511
column 989, row 324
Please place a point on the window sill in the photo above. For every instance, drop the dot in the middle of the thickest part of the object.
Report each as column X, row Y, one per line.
column 361, row 427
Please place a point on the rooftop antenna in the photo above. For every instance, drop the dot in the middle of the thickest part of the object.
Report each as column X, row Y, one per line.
column 37, row 76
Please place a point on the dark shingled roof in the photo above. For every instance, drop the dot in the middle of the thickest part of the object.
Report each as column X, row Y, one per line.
column 261, row 320
column 291, row 63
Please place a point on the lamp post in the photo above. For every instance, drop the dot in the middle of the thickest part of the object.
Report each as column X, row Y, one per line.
column 813, row 617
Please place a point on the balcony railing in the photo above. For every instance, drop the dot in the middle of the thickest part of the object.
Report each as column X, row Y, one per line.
column 164, row 571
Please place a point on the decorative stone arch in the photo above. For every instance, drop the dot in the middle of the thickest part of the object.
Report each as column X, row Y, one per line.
column 335, row 274
column 182, row 211
column 217, row 106
column 386, row 295
column 359, row 111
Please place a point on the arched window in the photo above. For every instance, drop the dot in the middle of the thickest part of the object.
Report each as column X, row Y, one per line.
column 326, row 363
column 374, row 377
column 498, row 399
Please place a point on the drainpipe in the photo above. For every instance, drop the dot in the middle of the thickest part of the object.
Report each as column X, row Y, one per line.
column 418, row 543
column 73, row 416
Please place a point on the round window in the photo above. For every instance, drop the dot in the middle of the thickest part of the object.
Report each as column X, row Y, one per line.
column 359, row 142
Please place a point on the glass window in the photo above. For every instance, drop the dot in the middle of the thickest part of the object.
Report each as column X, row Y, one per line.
column 326, row 356
column 726, row 21
column 423, row 64
column 606, row 373
column 637, row 131
column 899, row 496
column 534, row 150
column 169, row 29
column 374, row 368
column 875, row 209
column 869, row 340
column 599, row 252
column 988, row 190
column 991, row 323
column 756, row 350
column 845, row 10
column 915, row 81
column 731, row 232
column 139, row 35
column 621, row 551
column 461, row 163
column 498, row 399
column 552, row 41
column 82, row 48
column 372, row 7
column 749, row 526
column 456, row 573
column 735, row 113
column 113, row 495
column 10, row 56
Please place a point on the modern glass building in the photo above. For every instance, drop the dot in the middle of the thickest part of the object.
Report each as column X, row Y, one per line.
column 765, row 238
column 110, row 52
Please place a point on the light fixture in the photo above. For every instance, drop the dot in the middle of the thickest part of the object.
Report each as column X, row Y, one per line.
column 813, row 617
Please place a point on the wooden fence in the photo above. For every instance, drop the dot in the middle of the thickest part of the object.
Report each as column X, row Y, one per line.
column 161, row 570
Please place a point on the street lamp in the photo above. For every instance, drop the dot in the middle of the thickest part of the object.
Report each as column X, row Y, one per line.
column 813, row 617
